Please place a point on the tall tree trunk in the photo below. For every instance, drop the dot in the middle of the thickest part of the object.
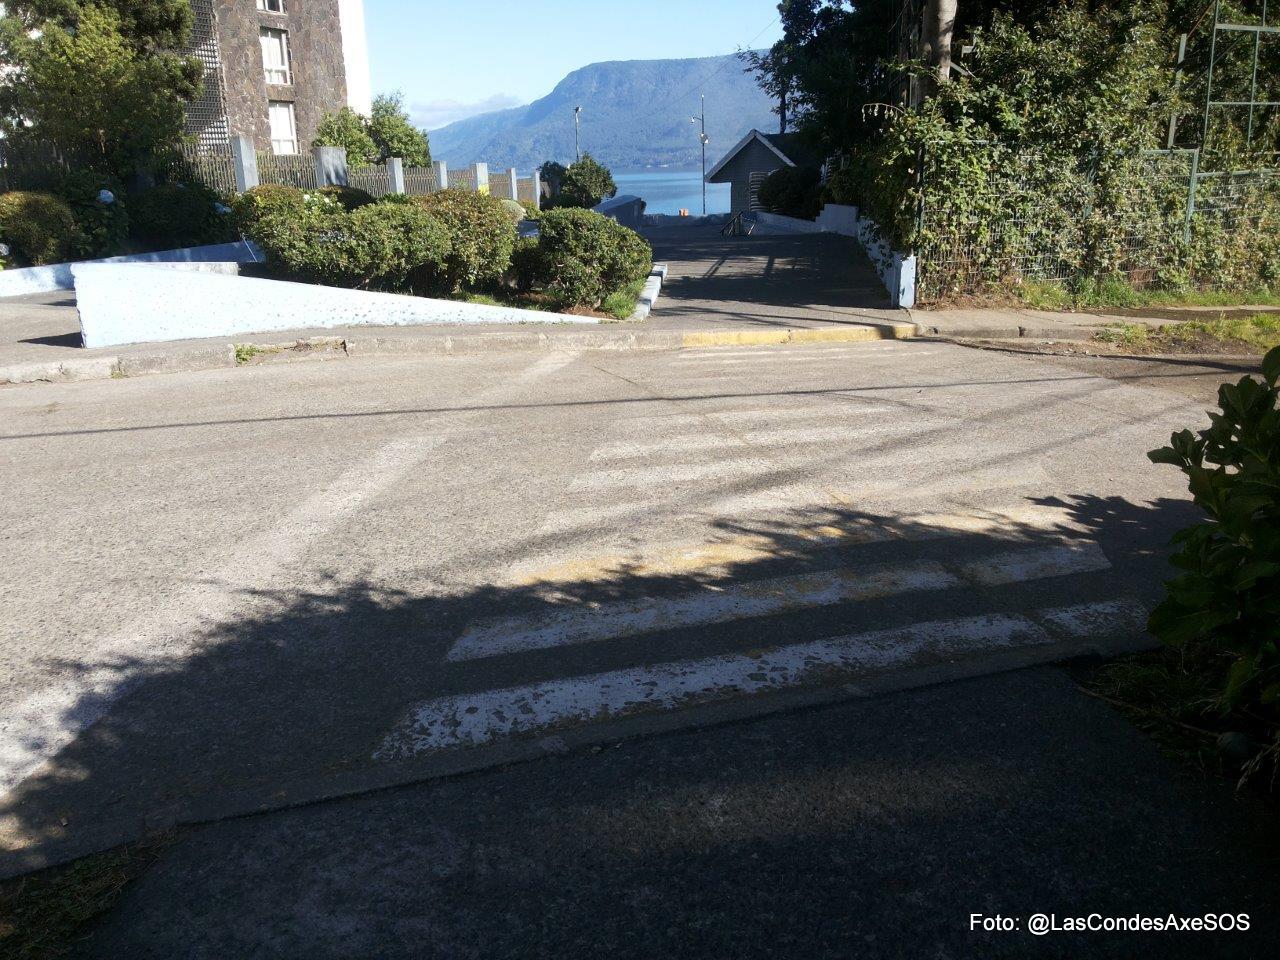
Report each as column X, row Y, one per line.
column 782, row 112
column 939, row 22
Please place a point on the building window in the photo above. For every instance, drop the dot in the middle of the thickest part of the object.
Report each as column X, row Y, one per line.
column 271, row 6
column 284, row 128
column 275, row 54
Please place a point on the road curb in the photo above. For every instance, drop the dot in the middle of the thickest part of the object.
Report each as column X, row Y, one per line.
column 224, row 354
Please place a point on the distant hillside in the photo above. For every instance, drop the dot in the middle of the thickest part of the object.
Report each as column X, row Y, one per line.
column 635, row 113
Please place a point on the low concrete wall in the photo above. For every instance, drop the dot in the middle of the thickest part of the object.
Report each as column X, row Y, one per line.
column 57, row 276
column 649, row 293
column 897, row 270
column 137, row 303
column 776, row 222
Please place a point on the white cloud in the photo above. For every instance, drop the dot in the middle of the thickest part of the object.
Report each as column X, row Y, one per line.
column 440, row 113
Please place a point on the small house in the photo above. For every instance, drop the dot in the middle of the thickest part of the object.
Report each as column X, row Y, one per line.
column 752, row 159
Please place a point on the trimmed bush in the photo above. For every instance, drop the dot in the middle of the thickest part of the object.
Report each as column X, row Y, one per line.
column 102, row 218
column 792, row 192
column 526, row 264
column 38, row 227
column 179, row 215
column 262, row 201
column 531, row 210
column 583, row 257
column 379, row 246
column 351, row 198
column 514, row 210
column 481, row 237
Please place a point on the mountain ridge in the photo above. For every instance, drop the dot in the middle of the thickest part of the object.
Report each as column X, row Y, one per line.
column 635, row 113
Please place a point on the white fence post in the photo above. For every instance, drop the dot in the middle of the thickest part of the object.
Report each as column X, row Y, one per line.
column 395, row 175
column 331, row 166
column 515, row 183
column 480, row 171
column 442, row 175
column 537, row 188
column 245, row 158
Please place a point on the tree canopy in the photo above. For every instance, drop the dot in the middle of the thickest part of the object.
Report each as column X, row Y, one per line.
column 374, row 139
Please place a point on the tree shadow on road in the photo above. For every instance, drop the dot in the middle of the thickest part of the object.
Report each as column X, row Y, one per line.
column 304, row 686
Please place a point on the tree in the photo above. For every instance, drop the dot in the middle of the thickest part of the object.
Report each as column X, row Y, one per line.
column 96, row 87
column 585, row 183
column 394, row 135
column 347, row 129
column 939, row 23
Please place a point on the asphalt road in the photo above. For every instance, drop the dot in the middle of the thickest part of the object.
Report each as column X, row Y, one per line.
column 245, row 589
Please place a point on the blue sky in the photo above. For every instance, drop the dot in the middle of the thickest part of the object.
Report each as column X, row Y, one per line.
column 455, row 59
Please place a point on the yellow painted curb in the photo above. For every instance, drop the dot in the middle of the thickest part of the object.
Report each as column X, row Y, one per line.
column 762, row 338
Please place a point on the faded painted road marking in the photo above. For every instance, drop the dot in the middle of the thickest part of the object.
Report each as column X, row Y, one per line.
column 478, row 718
column 739, row 600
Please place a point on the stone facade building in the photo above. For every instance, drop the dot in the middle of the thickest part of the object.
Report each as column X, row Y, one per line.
column 273, row 68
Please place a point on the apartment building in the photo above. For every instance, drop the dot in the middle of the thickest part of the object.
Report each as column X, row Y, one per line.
column 273, row 68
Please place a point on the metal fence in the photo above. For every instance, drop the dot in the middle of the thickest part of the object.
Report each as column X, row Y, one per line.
column 420, row 180
column 213, row 167
column 288, row 170
column 374, row 179
column 462, row 180
column 527, row 189
column 500, row 184
column 1022, row 216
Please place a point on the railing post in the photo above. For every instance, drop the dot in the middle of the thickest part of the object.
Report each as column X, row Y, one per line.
column 395, row 175
column 442, row 174
column 537, row 188
column 331, row 166
column 480, row 171
column 244, row 156
column 515, row 183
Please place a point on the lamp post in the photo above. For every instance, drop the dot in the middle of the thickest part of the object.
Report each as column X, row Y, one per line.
column 577, row 139
column 702, row 119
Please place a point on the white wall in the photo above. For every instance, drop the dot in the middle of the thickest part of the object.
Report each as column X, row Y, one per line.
column 355, row 56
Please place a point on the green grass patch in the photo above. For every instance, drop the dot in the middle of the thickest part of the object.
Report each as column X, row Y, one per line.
column 1260, row 331
column 1113, row 292
column 44, row 914
column 1125, row 335
column 622, row 303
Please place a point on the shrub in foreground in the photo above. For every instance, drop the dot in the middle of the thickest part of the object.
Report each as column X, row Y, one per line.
column 583, row 257
column 378, row 246
column 179, row 215
column 481, row 237
column 351, row 198
column 38, row 227
column 99, row 206
column 1228, row 596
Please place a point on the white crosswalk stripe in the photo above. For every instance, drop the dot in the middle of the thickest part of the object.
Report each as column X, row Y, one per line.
column 738, row 600
column 478, row 718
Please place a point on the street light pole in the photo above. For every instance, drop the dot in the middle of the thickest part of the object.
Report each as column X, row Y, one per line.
column 577, row 138
column 702, row 119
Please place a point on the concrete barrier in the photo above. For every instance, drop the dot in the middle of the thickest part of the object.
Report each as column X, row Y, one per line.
column 57, row 276
column 137, row 303
column 649, row 293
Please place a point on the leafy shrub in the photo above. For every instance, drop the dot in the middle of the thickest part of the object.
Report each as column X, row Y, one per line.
column 347, row 129
column 102, row 218
column 583, row 257
column 351, row 198
column 792, row 192
column 526, row 263
column 514, row 210
column 531, row 209
column 262, row 201
column 179, row 215
column 481, row 238
column 1228, row 596
column 584, row 184
column 38, row 227
column 377, row 246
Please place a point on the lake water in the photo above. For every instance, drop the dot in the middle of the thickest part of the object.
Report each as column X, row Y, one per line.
column 667, row 191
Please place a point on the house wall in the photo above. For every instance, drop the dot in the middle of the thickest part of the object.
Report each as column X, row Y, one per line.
column 316, row 63
column 755, row 156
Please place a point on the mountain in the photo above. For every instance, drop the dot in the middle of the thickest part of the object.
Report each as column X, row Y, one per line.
column 635, row 113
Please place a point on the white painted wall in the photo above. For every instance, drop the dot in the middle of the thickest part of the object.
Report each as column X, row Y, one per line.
column 355, row 56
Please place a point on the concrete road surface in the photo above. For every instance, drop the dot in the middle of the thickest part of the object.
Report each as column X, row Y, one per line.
column 243, row 589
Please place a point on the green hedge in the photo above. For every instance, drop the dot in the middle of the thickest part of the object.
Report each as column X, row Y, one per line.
column 38, row 227
column 377, row 246
column 262, row 201
column 481, row 238
column 351, row 198
column 179, row 215
column 101, row 212
column 582, row 257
